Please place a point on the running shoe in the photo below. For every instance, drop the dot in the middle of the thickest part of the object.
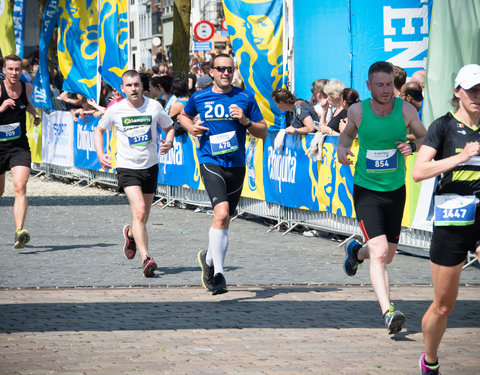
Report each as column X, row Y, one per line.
column 394, row 320
column 129, row 246
column 22, row 237
column 219, row 284
column 426, row 370
column 207, row 271
column 351, row 262
column 148, row 267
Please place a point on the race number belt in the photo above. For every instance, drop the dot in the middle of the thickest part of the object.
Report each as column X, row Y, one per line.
column 381, row 160
column 455, row 210
column 139, row 136
column 224, row 143
column 9, row 132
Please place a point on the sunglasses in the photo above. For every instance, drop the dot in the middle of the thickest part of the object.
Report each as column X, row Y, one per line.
column 222, row 69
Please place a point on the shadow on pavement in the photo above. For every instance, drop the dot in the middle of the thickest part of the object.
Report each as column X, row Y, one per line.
column 69, row 201
column 31, row 250
column 220, row 314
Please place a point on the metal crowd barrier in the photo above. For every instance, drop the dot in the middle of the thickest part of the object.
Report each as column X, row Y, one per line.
column 412, row 241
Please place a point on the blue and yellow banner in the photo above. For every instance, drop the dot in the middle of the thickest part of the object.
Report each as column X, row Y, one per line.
column 19, row 25
column 113, row 32
column 256, row 33
column 41, row 95
column 78, row 46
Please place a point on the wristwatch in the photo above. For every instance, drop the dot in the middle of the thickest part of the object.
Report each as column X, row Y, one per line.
column 249, row 123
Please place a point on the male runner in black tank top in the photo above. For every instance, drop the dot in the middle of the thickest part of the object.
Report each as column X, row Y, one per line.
column 14, row 148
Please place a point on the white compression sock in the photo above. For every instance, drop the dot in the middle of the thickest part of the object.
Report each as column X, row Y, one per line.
column 217, row 248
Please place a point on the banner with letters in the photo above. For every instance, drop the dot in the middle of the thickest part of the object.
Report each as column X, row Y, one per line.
column 342, row 38
column 256, row 34
column 83, row 145
column 113, row 32
column 180, row 167
column 19, row 25
column 41, row 95
column 78, row 46
column 57, row 139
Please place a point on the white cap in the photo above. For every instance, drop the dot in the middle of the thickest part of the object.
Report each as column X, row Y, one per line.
column 468, row 76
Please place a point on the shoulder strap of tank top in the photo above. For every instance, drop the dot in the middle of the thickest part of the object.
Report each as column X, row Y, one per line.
column 24, row 92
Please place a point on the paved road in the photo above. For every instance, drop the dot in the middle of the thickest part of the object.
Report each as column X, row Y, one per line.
column 291, row 309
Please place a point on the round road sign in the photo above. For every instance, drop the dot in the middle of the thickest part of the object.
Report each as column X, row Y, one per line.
column 204, row 31
column 224, row 25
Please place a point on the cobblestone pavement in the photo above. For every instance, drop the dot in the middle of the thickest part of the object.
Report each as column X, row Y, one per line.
column 250, row 330
column 70, row 303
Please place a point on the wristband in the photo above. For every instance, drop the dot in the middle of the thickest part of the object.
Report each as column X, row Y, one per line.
column 249, row 124
column 413, row 146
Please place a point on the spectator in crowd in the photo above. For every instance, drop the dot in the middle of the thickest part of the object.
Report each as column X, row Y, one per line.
column 2, row 75
column 412, row 93
column 319, row 98
column 155, row 92
column 57, row 79
column 334, row 90
column 180, row 90
column 204, row 82
column 145, row 78
column 192, row 80
column 26, row 70
column 165, row 84
column 300, row 115
column 237, row 78
column 163, row 69
column 205, row 68
column 419, row 77
column 155, row 71
column 72, row 101
column 399, row 79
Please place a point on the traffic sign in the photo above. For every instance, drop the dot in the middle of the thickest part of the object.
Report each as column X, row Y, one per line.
column 204, row 31
column 224, row 25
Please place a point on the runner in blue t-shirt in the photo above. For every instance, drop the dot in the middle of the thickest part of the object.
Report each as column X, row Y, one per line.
column 226, row 112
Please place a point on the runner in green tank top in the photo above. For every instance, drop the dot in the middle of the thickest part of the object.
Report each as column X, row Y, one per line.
column 379, row 180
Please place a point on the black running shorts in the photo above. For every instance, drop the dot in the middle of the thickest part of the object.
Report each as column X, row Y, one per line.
column 379, row 212
column 450, row 244
column 16, row 156
column 147, row 179
column 223, row 184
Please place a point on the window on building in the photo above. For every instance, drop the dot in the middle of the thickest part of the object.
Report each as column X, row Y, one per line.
column 132, row 28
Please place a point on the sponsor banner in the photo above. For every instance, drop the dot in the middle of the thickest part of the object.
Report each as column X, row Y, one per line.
column 57, row 139
column 294, row 180
column 83, row 146
column 180, row 167
column 256, row 34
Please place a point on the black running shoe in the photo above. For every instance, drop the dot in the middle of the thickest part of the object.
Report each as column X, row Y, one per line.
column 207, row 271
column 351, row 262
column 149, row 266
column 219, row 284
